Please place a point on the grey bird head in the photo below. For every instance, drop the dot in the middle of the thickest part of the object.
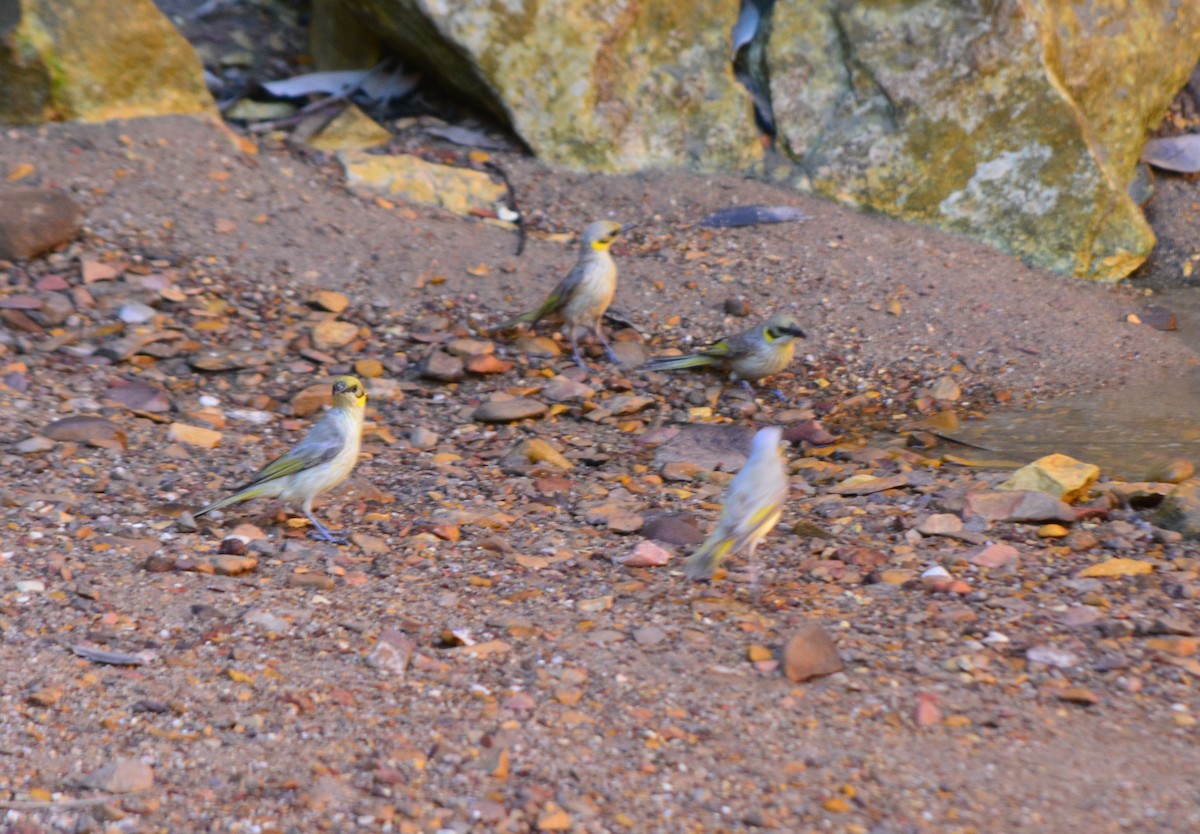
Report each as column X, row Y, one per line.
column 782, row 326
column 600, row 235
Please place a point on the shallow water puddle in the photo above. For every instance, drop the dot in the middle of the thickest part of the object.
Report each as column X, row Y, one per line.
column 1125, row 433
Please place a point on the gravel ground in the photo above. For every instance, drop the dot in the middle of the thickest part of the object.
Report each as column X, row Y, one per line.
column 479, row 658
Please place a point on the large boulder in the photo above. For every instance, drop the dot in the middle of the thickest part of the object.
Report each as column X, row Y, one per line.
column 1016, row 123
column 93, row 60
column 599, row 85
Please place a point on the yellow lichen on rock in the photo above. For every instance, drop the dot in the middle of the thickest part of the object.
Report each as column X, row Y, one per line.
column 95, row 60
column 1057, row 475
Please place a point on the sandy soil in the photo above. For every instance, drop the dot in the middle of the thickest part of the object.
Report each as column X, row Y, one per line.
column 595, row 697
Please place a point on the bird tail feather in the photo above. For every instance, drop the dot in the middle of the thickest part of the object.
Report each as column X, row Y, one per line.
column 703, row 563
column 237, row 497
column 674, row 363
column 532, row 315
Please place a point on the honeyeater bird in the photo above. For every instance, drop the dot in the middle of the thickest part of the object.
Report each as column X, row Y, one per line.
column 318, row 463
column 585, row 293
column 761, row 351
column 752, row 506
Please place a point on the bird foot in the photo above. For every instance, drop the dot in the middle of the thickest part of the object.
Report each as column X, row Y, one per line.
column 329, row 536
column 779, row 395
column 612, row 356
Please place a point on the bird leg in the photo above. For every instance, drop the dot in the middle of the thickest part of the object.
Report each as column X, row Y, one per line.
column 608, row 351
column 754, row 570
column 323, row 533
column 575, row 353
column 748, row 388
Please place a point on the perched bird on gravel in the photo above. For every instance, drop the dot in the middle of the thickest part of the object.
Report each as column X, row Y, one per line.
column 318, row 463
column 749, row 356
column 753, row 504
column 585, row 293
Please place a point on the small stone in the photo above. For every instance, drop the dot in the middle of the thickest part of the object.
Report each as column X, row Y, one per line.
column 536, row 450
column 540, row 346
column 441, row 367
column 29, row 586
column 267, row 620
column 648, row 635
column 994, row 556
column 122, row 776
column 630, row 354
column 159, row 563
column 422, row 438
column 331, row 335
column 47, row 696
column 135, row 312
column 1175, row 645
column 869, row 485
column 1172, row 472
column 625, row 404
column 95, row 431
column 368, row 368
column 553, row 818
column 311, row 399
column 35, row 220
column 470, row 347
column 680, row 470
column 836, row 805
column 810, row 432
column 927, row 712
column 756, row 653
column 1058, row 475
column 1052, row 531
column 945, row 389
column 595, row 604
column 1116, row 567
column 139, row 396
column 227, row 564
column 368, row 544
column 1080, row 616
column 563, row 389
column 1018, row 506
column 810, row 653
column 487, row 363
column 1079, row 540
column 737, row 306
column 316, row 581
column 193, row 436
column 330, row 301
column 940, row 524
column 897, row 576
column 672, row 528
column 232, row 546
column 509, row 410
column 33, row 445
column 1051, row 656
column 1180, row 509
column 1160, row 318
column 625, row 522
column 1079, row 695
column 392, row 653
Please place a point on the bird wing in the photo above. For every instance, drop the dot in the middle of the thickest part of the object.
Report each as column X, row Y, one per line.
column 320, row 445
column 554, row 301
column 562, row 292
column 745, row 516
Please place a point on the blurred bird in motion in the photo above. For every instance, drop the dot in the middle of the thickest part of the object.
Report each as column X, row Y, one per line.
column 585, row 293
column 319, row 462
column 761, row 351
column 753, row 504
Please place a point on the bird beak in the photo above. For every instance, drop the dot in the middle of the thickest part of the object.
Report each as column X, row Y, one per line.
column 796, row 331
